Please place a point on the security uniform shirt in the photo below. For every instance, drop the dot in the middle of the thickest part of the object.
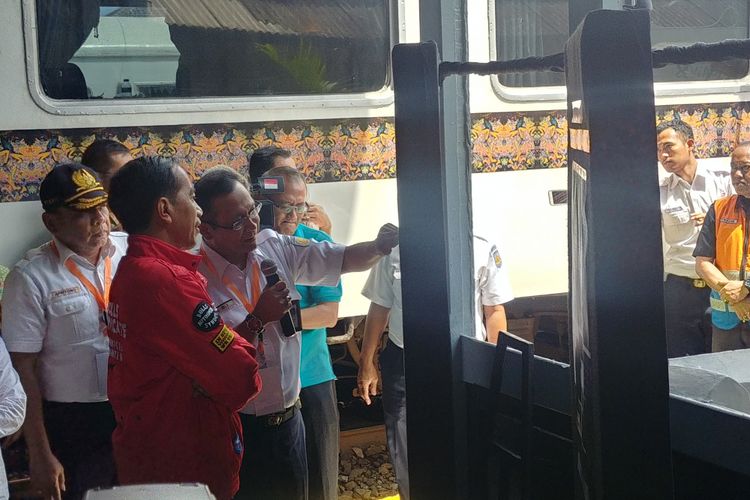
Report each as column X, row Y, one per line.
column 298, row 260
column 678, row 201
column 491, row 282
column 383, row 286
column 12, row 407
column 491, row 287
column 178, row 375
column 47, row 310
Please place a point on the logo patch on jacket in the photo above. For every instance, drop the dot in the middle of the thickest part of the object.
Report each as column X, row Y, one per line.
column 300, row 242
column 223, row 339
column 725, row 220
column 205, row 317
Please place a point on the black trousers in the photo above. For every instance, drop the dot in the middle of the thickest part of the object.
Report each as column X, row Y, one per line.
column 80, row 436
column 688, row 330
column 274, row 466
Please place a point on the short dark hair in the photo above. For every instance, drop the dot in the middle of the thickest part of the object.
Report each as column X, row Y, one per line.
column 262, row 160
column 681, row 128
column 98, row 156
column 287, row 172
column 215, row 182
column 136, row 188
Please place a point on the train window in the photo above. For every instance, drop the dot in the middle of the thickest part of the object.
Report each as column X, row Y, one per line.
column 206, row 48
column 526, row 28
column 684, row 22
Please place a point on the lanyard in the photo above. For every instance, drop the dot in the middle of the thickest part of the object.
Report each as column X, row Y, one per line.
column 255, row 285
column 101, row 299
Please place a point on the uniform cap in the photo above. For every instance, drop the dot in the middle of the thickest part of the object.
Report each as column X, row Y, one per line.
column 72, row 185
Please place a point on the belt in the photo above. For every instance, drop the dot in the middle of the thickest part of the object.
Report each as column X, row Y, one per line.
column 696, row 282
column 278, row 418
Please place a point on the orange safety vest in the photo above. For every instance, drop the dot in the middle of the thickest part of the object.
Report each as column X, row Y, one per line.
column 730, row 236
column 730, row 241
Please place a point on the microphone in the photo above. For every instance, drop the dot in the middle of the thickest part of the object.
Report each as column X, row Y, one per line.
column 268, row 268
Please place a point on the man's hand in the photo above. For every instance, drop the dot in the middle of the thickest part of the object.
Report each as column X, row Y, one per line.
column 387, row 238
column 733, row 292
column 317, row 218
column 743, row 310
column 273, row 303
column 698, row 218
column 47, row 476
column 367, row 381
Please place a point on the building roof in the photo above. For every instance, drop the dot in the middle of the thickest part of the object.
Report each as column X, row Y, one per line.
column 349, row 19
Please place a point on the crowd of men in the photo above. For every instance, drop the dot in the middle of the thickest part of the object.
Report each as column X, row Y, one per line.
column 163, row 336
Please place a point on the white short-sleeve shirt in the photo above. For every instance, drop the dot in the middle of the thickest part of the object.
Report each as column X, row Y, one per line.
column 383, row 286
column 12, row 408
column 491, row 287
column 679, row 200
column 491, row 282
column 298, row 261
column 47, row 310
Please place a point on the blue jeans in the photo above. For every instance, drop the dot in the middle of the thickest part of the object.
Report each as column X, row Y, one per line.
column 394, row 409
column 321, row 418
column 275, row 465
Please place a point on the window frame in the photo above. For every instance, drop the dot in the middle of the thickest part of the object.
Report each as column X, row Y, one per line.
column 378, row 98
column 558, row 93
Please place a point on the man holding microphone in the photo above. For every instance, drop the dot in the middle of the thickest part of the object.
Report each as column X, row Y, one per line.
column 236, row 265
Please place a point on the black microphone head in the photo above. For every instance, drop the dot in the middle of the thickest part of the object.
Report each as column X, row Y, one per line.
column 268, row 267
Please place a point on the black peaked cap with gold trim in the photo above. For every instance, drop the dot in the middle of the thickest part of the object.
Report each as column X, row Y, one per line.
column 72, row 185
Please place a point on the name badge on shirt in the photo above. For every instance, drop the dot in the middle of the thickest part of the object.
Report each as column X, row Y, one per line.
column 65, row 292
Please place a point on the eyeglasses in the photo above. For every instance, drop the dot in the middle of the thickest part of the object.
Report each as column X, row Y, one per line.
column 744, row 169
column 240, row 223
column 287, row 209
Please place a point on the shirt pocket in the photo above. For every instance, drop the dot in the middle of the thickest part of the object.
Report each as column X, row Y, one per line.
column 72, row 320
column 675, row 215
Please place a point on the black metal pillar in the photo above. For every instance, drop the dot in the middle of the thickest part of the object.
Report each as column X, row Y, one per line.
column 432, row 154
column 619, row 363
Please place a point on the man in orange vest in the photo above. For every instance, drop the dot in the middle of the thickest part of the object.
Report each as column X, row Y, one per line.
column 721, row 258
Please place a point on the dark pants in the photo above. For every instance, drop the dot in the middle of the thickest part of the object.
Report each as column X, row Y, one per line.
column 394, row 409
column 274, row 466
column 685, row 306
column 731, row 340
column 80, row 436
column 321, row 418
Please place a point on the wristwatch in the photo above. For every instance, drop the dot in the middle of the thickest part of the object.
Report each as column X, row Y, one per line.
column 254, row 323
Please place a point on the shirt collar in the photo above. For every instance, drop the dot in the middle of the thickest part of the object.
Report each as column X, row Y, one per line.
column 220, row 263
column 140, row 245
column 676, row 179
column 66, row 253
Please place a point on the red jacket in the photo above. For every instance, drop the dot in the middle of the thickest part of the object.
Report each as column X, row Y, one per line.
column 177, row 374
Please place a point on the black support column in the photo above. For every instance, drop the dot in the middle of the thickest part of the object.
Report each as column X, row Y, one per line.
column 432, row 155
column 619, row 362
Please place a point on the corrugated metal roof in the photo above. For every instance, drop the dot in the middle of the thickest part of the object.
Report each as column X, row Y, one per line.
column 354, row 19
column 553, row 14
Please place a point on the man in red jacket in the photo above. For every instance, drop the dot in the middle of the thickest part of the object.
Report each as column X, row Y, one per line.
column 177, row 373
